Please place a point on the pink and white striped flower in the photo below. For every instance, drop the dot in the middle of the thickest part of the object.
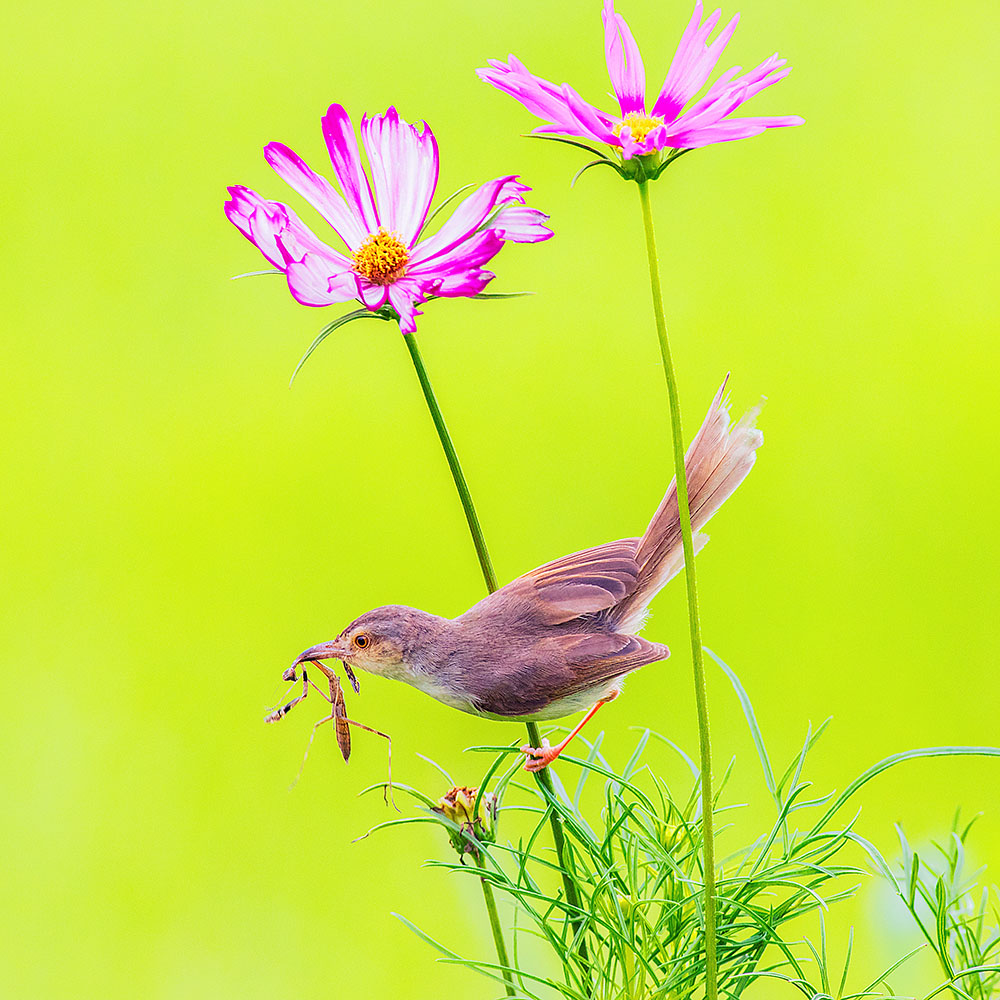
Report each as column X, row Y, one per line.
column 379, row 220
column 638, row 130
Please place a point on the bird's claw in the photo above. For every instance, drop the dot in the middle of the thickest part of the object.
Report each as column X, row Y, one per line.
column 537, row 758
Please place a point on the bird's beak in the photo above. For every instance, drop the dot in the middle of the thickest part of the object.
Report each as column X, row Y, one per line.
column 335, row 649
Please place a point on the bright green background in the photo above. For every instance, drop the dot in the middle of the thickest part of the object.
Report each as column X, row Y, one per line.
column 177, row 524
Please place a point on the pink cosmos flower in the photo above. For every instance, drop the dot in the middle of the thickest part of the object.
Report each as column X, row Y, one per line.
column 379, row 221
column 636, row 130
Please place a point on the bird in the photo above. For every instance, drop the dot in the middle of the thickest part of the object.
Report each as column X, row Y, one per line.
column 561, row 638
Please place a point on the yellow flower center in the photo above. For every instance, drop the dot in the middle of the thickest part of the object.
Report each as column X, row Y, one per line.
column 382, row 258
column 639, row 126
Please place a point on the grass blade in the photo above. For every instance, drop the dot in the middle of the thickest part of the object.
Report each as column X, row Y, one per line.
column 758, row 738
column 898, row 758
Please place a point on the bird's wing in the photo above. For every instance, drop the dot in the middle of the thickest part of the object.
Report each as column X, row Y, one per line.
column 595, row 658
column 559, row 666
column 582, row 583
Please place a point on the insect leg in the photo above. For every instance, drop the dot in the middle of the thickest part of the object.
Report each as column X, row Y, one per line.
column 312, row 736
column 280, row 713
column 387, row 792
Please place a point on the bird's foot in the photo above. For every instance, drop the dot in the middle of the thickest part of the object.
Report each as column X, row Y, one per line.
column 536, row 758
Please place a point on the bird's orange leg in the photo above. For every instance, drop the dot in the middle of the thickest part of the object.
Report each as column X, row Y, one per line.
column 538, row 757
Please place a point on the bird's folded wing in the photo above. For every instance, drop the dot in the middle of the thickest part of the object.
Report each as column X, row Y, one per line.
column 592, row 659
column 582, row 583
column 559, row 667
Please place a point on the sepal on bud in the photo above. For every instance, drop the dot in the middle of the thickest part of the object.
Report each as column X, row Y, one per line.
column 639, row 167
column 469, row 826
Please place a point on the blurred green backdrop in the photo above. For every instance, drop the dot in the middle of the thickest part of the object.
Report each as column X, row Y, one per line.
column 177, row 524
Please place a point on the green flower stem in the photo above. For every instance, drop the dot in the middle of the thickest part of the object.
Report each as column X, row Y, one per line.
column 491, row 908
column 486, row 564
column 544, row 780
column 701, row 692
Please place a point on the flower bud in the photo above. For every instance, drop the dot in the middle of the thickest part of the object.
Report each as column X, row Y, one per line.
column 458, row 806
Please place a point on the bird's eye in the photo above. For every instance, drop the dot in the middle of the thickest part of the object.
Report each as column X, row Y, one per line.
column 362, row 639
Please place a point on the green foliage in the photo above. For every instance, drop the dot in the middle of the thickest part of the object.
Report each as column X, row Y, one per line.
column 958, row 918
column 634, row 849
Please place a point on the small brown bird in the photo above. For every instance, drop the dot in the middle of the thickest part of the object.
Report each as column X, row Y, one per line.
column 561, row 638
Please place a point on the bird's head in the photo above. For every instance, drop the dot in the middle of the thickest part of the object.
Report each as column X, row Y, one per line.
column 381, row 642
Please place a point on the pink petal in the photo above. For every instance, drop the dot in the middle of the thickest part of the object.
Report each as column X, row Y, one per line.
column 317, row 190
column 470, row 282
column 475, row 250
column 727, row 94
column 404, row 297
column 404, row 166
column 258, row 220
column 471, row 213
column 541, row 98
column 276, row 230
column 730, row 129
column 242, row 202
column 759, row 78
column 312, row 284
column 373, row 296
column 343, row 148
column 521, row 224
column 716, row 90
column 776, row 121
column 768, row 73
column 592, row 122
column 628, row 76
column 656, row 139
column 671, row 100
column 297, row 239
column 630, row 147
column 692, row 64
column 711, row 112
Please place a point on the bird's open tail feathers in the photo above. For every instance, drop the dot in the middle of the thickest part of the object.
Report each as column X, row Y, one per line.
column 718, row 460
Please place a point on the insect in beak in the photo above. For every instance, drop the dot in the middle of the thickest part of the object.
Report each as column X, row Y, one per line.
column 338, row 714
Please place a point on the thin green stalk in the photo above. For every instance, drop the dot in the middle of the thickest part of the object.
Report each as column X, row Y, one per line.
column 544, row 780
column 486, row 564
column 700, row 690
column 491, row 909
